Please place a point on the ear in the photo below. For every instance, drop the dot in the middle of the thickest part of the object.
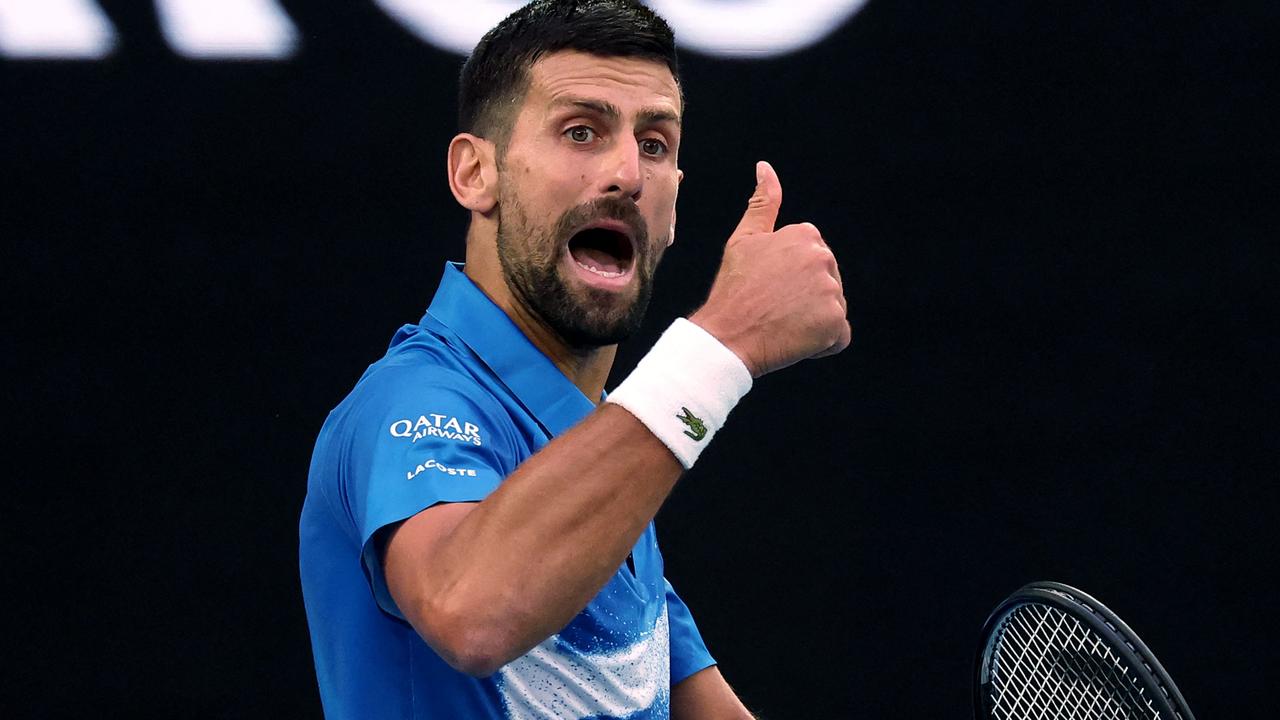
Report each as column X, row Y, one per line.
column 473, row 172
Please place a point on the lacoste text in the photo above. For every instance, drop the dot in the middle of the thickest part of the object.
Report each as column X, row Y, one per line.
column 431, row 464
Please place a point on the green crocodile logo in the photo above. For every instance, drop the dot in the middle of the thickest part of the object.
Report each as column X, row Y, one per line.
column 697, row 429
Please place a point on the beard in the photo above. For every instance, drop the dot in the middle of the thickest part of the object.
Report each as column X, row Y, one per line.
column 531, row 258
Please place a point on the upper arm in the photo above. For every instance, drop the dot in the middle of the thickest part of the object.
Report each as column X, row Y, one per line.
column 407, row 560
column 688, row 652
column 425, row 442
column 705, row 695
column 698, row 690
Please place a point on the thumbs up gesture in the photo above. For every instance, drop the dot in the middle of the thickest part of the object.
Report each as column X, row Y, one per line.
column 777, row 298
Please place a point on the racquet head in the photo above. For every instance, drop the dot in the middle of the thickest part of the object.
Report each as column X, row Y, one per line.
column 1050, row 651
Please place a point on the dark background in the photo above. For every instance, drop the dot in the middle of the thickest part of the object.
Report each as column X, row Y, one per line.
column 1056, row 225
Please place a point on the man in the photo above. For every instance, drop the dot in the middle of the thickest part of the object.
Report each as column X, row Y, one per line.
column 477, row 537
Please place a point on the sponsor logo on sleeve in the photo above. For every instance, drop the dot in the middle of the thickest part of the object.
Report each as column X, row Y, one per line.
column 431, row 464
column 436, row 425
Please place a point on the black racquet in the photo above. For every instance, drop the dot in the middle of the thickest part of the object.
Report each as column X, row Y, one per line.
column 1050, row 651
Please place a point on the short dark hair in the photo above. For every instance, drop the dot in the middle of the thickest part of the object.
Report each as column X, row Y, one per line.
column 495, row 77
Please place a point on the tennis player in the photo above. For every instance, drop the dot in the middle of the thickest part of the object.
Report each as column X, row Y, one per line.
column 477, row 537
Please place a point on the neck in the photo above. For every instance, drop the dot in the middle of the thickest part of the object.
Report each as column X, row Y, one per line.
column 587, row 368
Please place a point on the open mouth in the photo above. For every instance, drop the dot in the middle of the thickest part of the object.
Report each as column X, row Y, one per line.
column 603, row 251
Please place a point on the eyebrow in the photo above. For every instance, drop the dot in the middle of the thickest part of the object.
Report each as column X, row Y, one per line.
column 646, row 116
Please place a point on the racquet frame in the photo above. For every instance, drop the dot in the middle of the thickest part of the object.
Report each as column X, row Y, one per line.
column 1143, row 665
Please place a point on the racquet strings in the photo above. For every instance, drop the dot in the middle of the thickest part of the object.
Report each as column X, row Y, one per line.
column 1047, row 665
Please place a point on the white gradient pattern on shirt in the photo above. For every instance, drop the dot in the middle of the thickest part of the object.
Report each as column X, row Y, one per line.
column 549, row 683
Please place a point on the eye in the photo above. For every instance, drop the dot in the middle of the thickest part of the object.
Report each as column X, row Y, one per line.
column 653, row 146
column 580, row 134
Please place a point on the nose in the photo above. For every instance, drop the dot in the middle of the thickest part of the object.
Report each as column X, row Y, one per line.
column 624, row 176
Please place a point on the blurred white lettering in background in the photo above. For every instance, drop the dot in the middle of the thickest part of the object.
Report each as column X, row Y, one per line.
column 257, row 29
column 262, row 30
column 41, row 29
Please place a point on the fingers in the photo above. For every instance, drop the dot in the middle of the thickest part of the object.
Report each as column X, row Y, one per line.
column 786, row 281
column 843, row 337
column 842, row 342
column 812, row 232
column 762, row 209
column 833, row 269
column 828, row 259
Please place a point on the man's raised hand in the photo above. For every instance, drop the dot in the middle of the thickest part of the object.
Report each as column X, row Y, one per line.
column 777, row 298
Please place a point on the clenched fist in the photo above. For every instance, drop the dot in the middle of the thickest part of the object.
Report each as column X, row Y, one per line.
column 778, row 298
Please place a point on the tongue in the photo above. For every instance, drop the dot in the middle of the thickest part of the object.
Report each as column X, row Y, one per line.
column 596, row 259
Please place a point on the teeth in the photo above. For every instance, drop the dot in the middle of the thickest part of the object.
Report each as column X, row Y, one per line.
column 598, row 271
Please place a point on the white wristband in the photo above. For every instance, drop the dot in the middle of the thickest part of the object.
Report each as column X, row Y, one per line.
column 684, row 388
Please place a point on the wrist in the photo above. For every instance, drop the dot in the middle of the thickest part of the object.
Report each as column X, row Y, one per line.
column 728, row 334
column 684, row 388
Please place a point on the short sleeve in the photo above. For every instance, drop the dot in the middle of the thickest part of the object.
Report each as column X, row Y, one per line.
column 421, row 437
column 688, row 652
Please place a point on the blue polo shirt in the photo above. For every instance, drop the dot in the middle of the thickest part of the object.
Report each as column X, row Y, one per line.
column 458, row 402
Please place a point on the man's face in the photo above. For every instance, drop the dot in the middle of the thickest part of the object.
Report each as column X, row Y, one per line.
column 587, row 192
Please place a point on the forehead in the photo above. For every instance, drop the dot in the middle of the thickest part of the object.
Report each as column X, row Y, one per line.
column 628, row 83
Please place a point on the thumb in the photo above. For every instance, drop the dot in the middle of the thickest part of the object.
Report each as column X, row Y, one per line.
column 762, row 209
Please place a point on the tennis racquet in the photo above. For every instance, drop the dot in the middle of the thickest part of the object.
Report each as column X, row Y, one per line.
column 1050, row 651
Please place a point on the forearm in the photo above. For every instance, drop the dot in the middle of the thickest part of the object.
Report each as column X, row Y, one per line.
column 529, row 557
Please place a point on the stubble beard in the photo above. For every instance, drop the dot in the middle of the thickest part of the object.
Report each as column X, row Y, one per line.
column 585, row 318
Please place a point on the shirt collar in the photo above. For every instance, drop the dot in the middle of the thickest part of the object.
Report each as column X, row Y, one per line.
column 469, row 314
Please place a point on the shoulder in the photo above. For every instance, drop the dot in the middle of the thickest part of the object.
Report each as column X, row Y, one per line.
column 426, row 389
column 420, row 365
